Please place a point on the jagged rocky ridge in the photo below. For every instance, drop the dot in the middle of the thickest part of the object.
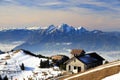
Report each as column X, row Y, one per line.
column 63, row 38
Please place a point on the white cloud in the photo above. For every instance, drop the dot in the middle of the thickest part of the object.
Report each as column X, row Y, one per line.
column 51, row 3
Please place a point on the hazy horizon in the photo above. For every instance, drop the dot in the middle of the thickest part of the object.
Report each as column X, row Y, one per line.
column 92, row 14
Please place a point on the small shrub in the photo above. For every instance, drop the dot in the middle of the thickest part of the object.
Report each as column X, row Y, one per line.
column 5, row 78
column 1, row 77
column 106, row 62
column 22, row 66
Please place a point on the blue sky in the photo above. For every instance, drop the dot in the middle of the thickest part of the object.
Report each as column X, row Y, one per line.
column 93, row 14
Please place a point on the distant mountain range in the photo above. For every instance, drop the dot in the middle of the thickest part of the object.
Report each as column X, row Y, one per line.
column 62, row 38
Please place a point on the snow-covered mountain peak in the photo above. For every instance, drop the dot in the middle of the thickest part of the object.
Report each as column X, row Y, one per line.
column 97, row 31
column 33, row 28
column 65, row 28
column 81, row 29
column 63, row 25
column 50, row 29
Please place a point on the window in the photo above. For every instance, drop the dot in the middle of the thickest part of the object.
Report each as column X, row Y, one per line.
column 74, row 67
column 69, row 67
column 79, row 69
column 74, row 60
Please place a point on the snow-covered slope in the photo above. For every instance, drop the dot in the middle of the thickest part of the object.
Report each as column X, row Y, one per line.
column 21, row 57
column 10, row 65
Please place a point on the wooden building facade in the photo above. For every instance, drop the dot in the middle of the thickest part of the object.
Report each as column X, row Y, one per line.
column 81, row 62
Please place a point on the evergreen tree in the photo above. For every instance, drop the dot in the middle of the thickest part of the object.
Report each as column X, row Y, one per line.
column 1, row 77
column 44, row 64
column 5, row 63
column 41, row 64
column 22, row 66
column 5, row 78
column 47, row 64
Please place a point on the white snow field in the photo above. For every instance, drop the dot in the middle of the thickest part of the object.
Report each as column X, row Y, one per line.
column 9, row 65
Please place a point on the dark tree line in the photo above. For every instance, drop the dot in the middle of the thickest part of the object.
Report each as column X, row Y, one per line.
column 44, row 64
column 60, row 63
column 5, row 78
column 41, row 56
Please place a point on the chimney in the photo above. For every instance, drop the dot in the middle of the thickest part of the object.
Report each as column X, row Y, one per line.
column 77, row 52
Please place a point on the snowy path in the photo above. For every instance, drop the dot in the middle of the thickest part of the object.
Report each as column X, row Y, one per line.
column 95, row 69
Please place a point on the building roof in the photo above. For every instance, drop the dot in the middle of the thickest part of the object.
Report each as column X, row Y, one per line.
column 57, row 57
column 77, row 52
column 69, row 60
column 90, row 58
column 87, row 58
